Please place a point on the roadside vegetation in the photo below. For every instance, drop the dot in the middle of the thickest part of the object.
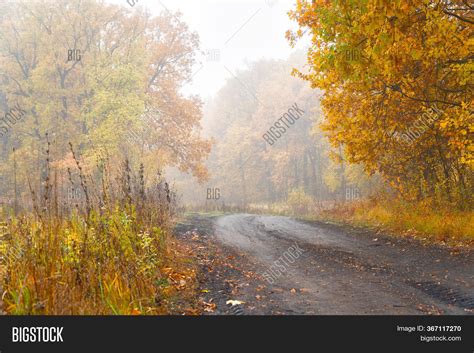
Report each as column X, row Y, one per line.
column 108, row 250
column 89, row 230
column 445, row 226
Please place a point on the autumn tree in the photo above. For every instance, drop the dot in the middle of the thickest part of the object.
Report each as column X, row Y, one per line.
column 397, row 82
column 106, row 78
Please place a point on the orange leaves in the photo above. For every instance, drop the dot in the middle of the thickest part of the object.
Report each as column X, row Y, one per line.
column 413, row 57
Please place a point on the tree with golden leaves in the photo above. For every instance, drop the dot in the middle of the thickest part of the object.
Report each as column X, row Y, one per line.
column 397, row 81
column 103, row 77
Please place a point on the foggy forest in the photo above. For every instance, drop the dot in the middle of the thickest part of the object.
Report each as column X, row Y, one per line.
column 236, row 157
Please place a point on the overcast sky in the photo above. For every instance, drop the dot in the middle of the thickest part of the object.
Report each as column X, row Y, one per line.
column 233, row 31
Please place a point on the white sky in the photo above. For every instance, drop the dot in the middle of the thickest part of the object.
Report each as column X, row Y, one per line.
column 240, row 30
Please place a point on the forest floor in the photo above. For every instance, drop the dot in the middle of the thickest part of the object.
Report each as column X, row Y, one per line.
column 336, row 270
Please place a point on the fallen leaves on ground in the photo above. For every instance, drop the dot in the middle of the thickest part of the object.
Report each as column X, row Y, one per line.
column 234, row 302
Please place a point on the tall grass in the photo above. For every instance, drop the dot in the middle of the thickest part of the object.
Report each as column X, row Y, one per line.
column 420, row 220
column 111, row 253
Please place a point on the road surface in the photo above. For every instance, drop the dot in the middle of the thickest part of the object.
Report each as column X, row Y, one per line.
column 279, row 265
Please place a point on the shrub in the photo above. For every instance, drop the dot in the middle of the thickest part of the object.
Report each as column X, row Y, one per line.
column 299, row 202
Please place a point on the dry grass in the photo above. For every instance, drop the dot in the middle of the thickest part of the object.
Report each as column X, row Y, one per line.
column 112, row 255
column 441, row 225
column 122, row 267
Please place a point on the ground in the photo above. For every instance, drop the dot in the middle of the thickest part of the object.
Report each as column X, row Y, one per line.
column 341, row 270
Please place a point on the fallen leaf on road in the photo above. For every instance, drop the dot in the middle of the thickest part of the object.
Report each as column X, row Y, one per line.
column 209, row 307
column 135, row 311
column 234, row 302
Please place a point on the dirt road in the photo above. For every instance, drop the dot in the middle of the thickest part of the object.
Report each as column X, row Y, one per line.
column 279, row 265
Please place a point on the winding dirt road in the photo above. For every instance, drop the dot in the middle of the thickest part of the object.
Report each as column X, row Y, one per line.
column 279, row 265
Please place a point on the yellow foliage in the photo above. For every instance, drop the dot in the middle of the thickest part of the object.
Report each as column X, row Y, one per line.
column 383, row 67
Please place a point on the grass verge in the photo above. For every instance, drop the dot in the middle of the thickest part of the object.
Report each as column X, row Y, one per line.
column 110, row 252
column 441, row 226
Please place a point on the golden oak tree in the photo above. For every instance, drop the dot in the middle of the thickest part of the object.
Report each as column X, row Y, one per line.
column 397, row 81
